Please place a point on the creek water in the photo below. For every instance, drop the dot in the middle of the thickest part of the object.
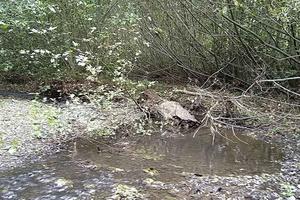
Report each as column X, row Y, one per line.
column 93, row 170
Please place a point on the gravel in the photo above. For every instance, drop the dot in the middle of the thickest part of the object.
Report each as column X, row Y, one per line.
column 31, row 129
column 28, row 129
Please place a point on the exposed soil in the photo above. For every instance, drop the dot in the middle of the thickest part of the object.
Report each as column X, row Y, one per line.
column 31, row 129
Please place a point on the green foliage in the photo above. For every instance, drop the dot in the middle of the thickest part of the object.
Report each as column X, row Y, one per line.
column 54, row 38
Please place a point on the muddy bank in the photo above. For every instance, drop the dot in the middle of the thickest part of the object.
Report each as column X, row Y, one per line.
column 30, row 129
column 167, row 166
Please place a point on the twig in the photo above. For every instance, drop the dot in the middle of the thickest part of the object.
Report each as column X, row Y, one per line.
column 287, row 90
column 278, row 80
column 233, row 132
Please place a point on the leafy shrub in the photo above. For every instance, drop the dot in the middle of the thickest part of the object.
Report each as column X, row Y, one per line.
column 55, row 39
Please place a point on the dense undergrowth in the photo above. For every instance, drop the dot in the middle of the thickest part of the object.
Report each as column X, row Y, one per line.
column 44, row 40
column 233, row 41
column 248, row 48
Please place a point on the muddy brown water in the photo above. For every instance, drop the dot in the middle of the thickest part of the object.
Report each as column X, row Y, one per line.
column 92, row 170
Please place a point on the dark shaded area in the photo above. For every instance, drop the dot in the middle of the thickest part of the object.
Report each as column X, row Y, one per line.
column 17, row 95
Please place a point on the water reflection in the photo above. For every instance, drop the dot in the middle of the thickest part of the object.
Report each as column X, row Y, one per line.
column 175, row 155
column 230, row 155
column 91, row 169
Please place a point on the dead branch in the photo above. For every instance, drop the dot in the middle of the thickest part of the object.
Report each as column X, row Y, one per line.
column 280, row 80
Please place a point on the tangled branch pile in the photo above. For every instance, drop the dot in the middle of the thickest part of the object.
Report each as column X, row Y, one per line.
column 245, row 111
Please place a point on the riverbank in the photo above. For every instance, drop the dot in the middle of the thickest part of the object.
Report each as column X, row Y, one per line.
column 32, row 129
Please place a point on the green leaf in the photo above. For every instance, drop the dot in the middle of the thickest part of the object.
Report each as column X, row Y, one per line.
column 3, row 26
